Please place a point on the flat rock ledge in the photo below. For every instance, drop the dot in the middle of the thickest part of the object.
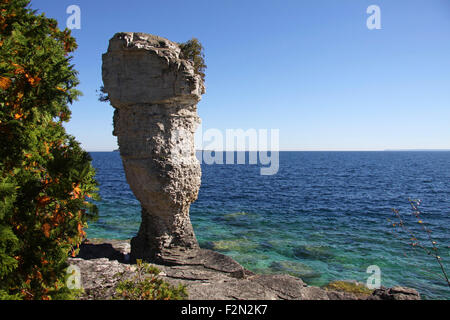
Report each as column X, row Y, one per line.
column 208, row 275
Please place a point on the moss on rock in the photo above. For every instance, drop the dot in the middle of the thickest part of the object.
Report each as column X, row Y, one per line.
column 348, row 286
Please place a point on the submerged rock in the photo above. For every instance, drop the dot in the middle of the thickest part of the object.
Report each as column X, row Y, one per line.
column 294, row 268
column 235, row 215
column 155, row 93
column 312, row 252
column 239, row 245
column 238, row 219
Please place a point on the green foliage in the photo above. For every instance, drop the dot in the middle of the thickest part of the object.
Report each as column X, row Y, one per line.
column 193, row 50
column 67, row 294
column 145, row 285
column 45, row 176
column 103, row 95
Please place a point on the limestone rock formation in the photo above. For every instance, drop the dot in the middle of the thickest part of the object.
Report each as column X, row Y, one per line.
column 155, row 93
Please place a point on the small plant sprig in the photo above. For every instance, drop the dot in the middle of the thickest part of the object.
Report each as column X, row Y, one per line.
column 145, row 285
column 433, row 249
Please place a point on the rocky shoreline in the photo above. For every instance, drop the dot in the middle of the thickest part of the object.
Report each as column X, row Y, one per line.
column 208, row 275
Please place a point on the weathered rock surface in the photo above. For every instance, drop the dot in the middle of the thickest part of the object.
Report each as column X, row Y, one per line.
column 154, row 92
column 397, row 293
column 208, row 276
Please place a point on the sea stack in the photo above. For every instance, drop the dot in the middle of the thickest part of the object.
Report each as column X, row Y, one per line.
column 155, row 93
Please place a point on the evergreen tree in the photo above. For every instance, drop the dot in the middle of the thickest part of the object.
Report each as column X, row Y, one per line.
column 193, row 50
column 46, row 179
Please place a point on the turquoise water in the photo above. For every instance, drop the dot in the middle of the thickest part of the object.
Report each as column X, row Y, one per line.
column 322, row 217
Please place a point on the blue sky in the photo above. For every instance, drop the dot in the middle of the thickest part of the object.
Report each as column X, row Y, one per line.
column 311, row 68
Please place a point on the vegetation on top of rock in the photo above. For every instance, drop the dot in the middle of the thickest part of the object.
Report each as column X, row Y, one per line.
column 350, row 287
column 193, row 50
column 190, row 50
column 145, row 285
column 45, row 176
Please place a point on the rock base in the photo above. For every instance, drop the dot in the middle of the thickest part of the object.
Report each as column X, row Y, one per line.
column 208, row 275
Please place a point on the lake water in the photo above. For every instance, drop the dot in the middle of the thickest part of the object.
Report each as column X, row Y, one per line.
column 322, row 217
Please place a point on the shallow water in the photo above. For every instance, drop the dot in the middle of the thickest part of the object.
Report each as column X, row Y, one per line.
column 322, row 217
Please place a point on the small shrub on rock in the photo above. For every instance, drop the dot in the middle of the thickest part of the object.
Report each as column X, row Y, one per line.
column 193, row 50
column 145, row 285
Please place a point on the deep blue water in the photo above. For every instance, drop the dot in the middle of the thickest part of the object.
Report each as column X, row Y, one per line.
column 322, row 217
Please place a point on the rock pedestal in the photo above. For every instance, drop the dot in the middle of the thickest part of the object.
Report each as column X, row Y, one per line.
column 155, row 94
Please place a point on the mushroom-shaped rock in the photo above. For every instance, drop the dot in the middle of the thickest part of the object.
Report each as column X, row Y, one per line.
column 155, row 93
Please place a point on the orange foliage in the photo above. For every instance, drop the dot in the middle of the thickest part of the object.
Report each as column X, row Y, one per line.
column 42, row 201
column 5, row 83
column 46, row 229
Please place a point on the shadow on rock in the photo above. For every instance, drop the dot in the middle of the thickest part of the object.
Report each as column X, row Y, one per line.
column 90, row 251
